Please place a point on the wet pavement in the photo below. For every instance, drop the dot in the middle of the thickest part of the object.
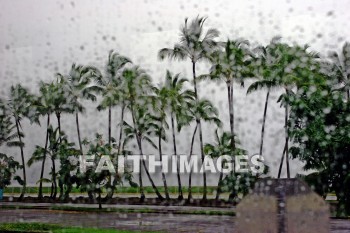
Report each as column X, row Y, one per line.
column 136, row 221
column 131, row 221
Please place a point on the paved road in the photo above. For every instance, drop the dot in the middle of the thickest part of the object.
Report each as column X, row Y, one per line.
column 135, row 221
column 156, row 208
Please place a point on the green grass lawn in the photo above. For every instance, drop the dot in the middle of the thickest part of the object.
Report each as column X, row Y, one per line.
column 43, row 227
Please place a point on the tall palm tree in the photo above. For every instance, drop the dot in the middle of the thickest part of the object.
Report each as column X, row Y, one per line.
column 281, row 58
column 264, row 70
column 232, row 64
column 52, row 149
column 19, row 106
column 177, row 100
column 195, row 44
column 78, row 85
column 137, row 87
column 112, row 95
column 204, row 110
column 143, row 125
column 159, row 104
column 110, row 83
column 283, row 66
column 61, row 104
column 45, row 107
column 341, row 65
column 295, row 67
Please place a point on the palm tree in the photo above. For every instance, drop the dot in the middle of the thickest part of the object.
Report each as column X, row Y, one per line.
column 137, row 87
column 264, row 70
column 19, row 107
column 281, row 57
column 143, row 125
column 282, row 66
column 159, row 104
column 221, row 147
column 195, row 44
column 204, row 110
column 177, row 100
column 52, row 149
column 232, row 64
column 44, row 106
column 295, row 67
column 341, row 66
column 111, row 92
column 78, row 85
column 60, row 104
column 112, row 95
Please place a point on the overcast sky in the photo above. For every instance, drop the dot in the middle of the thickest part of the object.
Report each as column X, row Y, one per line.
column 40, row 38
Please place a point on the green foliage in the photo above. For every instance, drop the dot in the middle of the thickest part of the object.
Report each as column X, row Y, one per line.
column 319, row 127
column 204, row 110
column 144, row 126
column 232, row 64
column 59, row 148
column 111, row 83
column 7, row 128
column 94, row 183
column 195, row 43
column 78, row 85
column 222, row 146
column 68, row 156
column 318, row 181
column 8, row 167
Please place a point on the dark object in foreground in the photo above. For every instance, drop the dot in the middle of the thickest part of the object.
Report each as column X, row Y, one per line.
column 282, row 205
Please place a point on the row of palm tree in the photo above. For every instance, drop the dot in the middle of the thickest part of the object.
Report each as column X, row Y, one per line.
column 129, row 87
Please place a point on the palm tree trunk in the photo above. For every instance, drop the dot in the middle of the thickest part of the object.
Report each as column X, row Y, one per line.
column 281, row 163
column 218, row 190
column 200, row 132
column 190, row 175
column 231, row 113
column 287, row 140
column 121, row 129
column 78, row 131
column 58, row 115
column 263, row 123
column 180, row 197
column 110, row 125
column 40, row 195
column 22, row 157
column 142, row 191
column 202, row 157
column 142, row 198
column 111, row 192
column 161, row 160
column 232, row 124
column 54, row 181
column 61, row 187
column 147, row 172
